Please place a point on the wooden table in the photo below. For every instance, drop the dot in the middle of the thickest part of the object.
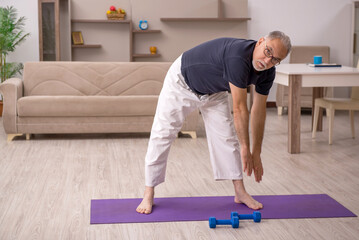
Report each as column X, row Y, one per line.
column 296, row 76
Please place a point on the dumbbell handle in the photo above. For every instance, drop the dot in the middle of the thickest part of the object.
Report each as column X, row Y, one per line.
column 224, row 222
column 245, row 216
column 256, row 216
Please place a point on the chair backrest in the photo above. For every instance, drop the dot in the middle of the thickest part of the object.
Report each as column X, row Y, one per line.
column 305, row 54
column 355, row 93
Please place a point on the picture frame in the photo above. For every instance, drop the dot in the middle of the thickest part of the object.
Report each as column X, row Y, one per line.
column 77, row 38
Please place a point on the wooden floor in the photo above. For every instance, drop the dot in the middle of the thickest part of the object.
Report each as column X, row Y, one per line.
column 46, row 184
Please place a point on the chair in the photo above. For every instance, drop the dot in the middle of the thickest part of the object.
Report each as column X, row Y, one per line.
column 332, row 104
column 302, row 54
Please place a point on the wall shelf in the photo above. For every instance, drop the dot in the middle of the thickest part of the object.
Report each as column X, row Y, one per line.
column 131, row 30
column 135, row 31
column 204, row 19
column 99, row 21
column 146, row 31
column 146, row 55
column 86, row 46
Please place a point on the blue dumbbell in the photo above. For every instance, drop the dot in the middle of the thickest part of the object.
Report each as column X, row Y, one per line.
column 234, row 221
column 256, row 216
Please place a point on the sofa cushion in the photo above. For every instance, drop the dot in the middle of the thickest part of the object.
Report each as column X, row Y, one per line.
column 89, row 106
column 94, row 78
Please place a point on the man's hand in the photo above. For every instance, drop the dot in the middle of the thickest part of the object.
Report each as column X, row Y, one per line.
column 247, row 161
column 252, row 162
column 257, row 167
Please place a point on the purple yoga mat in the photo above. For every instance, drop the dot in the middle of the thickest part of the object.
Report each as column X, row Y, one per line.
column 104, row 211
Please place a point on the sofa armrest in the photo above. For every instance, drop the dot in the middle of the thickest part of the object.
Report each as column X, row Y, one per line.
column 11, row 90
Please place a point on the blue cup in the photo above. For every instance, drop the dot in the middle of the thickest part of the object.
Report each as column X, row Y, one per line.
column 317, row 60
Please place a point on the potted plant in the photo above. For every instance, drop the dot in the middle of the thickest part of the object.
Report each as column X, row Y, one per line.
column 11, row 35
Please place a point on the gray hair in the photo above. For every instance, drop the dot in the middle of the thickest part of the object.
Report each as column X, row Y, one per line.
column 284, row 39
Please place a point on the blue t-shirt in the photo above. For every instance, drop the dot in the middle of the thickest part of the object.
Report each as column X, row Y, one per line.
column 209, row 67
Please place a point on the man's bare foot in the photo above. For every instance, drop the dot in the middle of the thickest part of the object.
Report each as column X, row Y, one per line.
column 145, row 206
column 249, row 201
column 241, row 196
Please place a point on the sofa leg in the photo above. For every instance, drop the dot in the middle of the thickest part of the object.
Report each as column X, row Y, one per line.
column 10, row 137
column 28, row 135
column 193, row 134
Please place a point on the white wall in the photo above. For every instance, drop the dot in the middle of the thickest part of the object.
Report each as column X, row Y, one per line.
column 29, row 49
column 175, row 37
column 307, row 22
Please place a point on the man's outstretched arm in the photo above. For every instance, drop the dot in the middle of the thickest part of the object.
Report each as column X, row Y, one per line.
column 241, row 124
column 258, row 116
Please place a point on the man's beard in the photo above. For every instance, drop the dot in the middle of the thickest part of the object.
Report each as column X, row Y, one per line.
column 259, row 69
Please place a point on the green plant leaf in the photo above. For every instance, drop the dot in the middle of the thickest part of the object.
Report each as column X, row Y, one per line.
column 11, row 35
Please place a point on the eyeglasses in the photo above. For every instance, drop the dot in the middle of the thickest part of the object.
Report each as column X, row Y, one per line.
column 275, row 61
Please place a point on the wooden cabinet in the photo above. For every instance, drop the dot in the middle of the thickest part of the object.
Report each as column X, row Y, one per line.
column 53, row 36
column 355, row 33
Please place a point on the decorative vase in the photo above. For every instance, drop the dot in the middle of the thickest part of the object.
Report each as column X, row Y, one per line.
column 153, row 50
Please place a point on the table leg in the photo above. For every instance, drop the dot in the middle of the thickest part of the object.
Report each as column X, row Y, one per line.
column 295, row 87
column 318, row 92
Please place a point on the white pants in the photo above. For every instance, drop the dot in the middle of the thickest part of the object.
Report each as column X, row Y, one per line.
column 175, row 102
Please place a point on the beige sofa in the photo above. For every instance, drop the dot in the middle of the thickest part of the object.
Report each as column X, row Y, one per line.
column 85, row 97
column 303, row 54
